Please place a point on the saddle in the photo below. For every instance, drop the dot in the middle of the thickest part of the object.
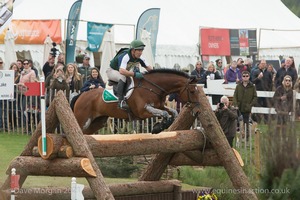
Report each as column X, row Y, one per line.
column 110, row 92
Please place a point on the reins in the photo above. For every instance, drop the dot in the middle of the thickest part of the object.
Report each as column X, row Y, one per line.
column 155, row 85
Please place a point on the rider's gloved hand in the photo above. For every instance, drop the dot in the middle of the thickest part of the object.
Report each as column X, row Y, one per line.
column 138, row 75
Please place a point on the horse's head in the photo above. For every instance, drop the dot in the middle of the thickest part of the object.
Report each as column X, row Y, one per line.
column 190, row 92
column 167, row 81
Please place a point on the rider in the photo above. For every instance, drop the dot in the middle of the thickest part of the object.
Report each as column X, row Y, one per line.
column 125, row 64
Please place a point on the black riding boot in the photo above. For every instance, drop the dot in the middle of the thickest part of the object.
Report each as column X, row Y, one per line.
column 120, row 90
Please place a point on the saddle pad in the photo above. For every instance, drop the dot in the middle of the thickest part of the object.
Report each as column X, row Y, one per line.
column 108, row 95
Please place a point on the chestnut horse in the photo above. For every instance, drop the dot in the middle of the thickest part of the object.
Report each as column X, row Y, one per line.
column 147, row 100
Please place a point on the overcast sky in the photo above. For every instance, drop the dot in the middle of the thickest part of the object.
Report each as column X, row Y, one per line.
column 179, row 19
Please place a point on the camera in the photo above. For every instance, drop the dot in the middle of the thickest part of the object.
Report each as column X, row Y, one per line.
column 221, row 105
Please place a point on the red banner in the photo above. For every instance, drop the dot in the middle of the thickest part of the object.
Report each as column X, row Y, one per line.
column 34, row 31
column 215, row 42
column 34, row 89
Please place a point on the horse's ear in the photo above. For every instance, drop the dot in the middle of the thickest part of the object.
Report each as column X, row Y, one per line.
column 193, row 79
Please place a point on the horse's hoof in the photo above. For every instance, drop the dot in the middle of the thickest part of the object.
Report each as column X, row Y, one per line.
column 157, row 128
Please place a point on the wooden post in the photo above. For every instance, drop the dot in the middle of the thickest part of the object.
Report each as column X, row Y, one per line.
column 219, row 142
column 79, row 144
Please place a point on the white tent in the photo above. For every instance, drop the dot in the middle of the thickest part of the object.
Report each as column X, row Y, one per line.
column 178, row 36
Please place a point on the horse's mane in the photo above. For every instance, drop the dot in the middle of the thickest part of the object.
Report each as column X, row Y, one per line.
column 168, row 71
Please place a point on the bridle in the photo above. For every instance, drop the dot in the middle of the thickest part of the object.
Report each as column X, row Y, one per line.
column 186, row 88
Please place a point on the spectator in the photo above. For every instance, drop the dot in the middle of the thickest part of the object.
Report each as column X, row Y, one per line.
column 85, row 69
column 286, row 70
column 61, row 58
column 49, row 65
column 27, row 76
column 272, row 70
column 59, row 81
column 33, row 68
column 49, row 80
column 219, row 68
column 244, row 99
column 73, row 79
column 14, row 66
column 212, row 74
column 262, row 79
column 240, row 65
column 94, row 81
column 297, row 89
column 248, row 64
column 20, row 65
column 233, row 74
column 283, row 100
column 227, row 115
column 282, row 63
column 199, row 72
column 13, row 103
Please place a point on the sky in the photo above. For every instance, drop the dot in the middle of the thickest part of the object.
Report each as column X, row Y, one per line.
column 180, row 20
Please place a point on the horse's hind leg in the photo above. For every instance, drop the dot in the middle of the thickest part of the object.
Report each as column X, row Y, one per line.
column 95, row 125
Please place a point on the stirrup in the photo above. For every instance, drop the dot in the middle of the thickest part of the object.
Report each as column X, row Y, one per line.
column 123, row 105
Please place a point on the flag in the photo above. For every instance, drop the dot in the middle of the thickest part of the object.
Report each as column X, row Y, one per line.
column 95, row 34
column 72, row 29
column 14, row 182
column 6, row 12
column 149, row 21
column 34, row 89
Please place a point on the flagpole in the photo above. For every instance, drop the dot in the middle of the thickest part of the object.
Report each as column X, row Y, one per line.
column 43, row 116
column 12, row 191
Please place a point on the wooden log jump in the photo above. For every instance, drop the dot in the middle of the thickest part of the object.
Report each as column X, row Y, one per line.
column 133, row 144
column 29, row 165
column 166, row 144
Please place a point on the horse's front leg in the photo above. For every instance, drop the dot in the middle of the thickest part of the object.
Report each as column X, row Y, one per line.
column 165, row 123
column 171, row 111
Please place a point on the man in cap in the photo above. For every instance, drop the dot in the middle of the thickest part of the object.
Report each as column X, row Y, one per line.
column 85, row 69
column 126, row 64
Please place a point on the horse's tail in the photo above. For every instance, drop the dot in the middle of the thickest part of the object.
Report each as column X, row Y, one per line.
column 73, row 101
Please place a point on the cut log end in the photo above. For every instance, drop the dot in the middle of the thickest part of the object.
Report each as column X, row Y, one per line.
column 87, row 167
column 238, row 156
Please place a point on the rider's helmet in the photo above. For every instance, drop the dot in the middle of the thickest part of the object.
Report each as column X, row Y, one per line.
column 137, row 44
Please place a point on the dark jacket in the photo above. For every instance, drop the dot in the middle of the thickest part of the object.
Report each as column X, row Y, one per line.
column 280, row 105
column 200, row 75
column 227, row 119
column 92, row 81
column 85, row 72
column 245, row 97
column 282, row 72
column 264, row 83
